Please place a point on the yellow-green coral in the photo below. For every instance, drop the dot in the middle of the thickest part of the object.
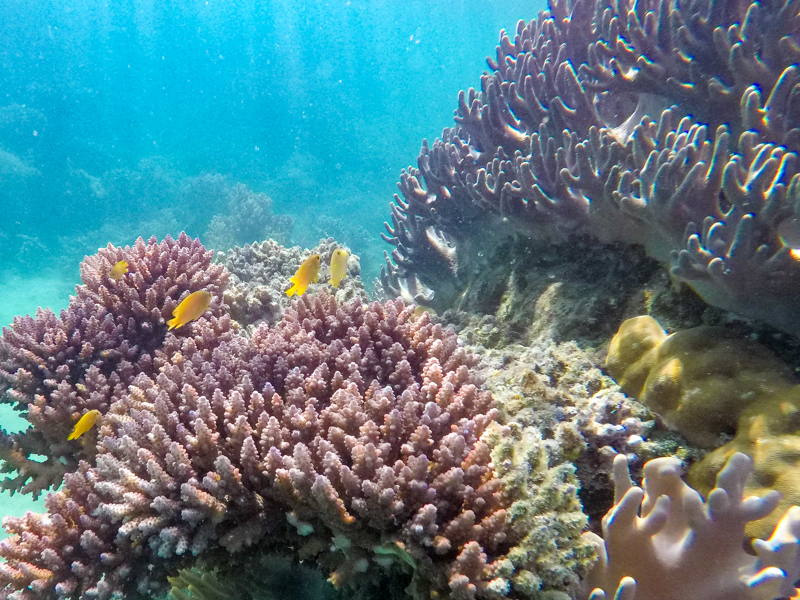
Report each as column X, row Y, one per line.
column 699, row 380
column 704, row 382
column 768, row 432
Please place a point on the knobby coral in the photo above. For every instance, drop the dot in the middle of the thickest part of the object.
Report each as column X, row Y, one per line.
column 352, row 434
column 670, row 125
column 709, row 383
column 699, row 380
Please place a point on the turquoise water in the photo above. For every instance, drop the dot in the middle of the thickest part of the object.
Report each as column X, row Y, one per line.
column 138, row 118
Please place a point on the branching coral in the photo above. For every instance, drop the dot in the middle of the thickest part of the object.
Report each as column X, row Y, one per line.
column 671, row 126
column 55, row 368
column 354, row 435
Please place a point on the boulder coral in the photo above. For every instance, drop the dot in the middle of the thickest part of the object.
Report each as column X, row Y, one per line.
column 698, row 380
column 711, row 385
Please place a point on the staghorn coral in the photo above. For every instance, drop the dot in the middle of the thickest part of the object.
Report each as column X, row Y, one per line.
column 261, row 272
column 354, row 435
column 55, row 368
column 662, row 542
column 670, row 126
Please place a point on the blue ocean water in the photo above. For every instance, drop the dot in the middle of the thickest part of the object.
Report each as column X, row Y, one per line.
column 125, row 119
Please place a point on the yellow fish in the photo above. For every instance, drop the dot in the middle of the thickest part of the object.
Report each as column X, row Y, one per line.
column 338, row 266
column 84, row 424
column 118, row 270
column 307, row 273
column 192, row 307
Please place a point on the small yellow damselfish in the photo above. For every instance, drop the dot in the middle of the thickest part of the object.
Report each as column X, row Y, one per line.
column 191, row 308
column 306, row 274
column 84, row 424
column 118, row 271
column 338, row 266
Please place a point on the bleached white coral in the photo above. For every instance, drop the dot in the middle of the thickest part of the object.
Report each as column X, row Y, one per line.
column 663, row 542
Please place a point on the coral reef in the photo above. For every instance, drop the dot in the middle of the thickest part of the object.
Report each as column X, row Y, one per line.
column 262, row 578
column 661, row 541
column 670, row 126
column 260, row 274
column 55, row 368
column 559, row 389
column 768, row 432
column 248, row 218
column 711, row 384
column 352, row 434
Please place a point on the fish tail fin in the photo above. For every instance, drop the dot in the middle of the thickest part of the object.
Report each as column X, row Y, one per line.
column 292, row 290
column 72, row 436
column 173, row 323
column 334, row 283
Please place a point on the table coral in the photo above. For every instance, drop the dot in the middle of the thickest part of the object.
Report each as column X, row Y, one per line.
column 670, row 126
column 54, row 368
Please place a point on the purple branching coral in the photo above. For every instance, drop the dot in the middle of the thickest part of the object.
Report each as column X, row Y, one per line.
column 355, row 435
column 673, row 126
column 55, row 368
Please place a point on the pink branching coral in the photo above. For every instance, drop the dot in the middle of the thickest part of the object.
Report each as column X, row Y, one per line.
column 352, row 433
column 55, row 368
